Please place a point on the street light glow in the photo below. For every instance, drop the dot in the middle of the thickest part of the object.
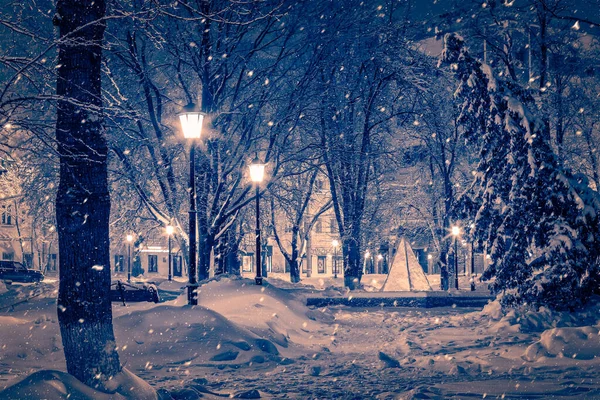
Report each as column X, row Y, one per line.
column 129, row 238
column 367, row 254
column 257, row 170
column 455, row 230
column 191, row 121
column 170, row 230
column 335, row 243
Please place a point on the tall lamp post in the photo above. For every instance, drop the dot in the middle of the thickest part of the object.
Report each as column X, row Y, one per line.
column 169, row 234
column 191, row 124
column 129, row 240
column 257, row 173
column 455, row 233
column 335, row 245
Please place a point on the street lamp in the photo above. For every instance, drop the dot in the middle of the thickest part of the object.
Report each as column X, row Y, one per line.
column 455, row 233
column 170, row 231
column 257, row 173
column 129, row 240
column 335, row 245
column 191, row 124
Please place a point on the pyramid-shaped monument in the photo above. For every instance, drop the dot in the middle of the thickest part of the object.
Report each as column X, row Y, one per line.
column 405, row 273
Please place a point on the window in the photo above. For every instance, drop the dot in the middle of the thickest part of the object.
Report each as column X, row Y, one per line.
column 6, row 215
column 319, row 185
column 28, row 260
column 319, row 227
column 248, row 262
column 333, row 228
column 52, row 262
column 152, row 263
column 268, row 258
column 177, row 270
column 119, row 262
column 321, row 264
column 8, row 256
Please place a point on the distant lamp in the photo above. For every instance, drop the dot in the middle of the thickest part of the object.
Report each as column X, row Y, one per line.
column 455, row 230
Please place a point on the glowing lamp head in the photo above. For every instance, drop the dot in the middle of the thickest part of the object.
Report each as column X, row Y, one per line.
column 129, row 238
column 191, row 121
column 367, row 254
column 379, row 257
column 455, row 230
column 170, row 230
column 335, row 243
column 257, row 170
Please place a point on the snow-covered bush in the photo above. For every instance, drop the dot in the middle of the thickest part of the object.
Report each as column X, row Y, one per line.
column 539, row 222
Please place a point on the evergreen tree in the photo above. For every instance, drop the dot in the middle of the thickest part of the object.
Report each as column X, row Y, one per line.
column 540, row 222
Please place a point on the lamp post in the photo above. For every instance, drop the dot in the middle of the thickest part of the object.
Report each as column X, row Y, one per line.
column 367, row 256
column 257, row 173
column 455, row 233
column 169, row 233
column 335, row 245
column 129, row 240
column 191, row 124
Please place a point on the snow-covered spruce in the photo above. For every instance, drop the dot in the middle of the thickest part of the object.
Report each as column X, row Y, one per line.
column 540, row 222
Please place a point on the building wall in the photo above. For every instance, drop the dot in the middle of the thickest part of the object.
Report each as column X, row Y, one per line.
column 318, row 260
column 152, row 261
column 18, row 241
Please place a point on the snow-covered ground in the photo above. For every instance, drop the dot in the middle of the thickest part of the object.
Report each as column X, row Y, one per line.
column 248, row 340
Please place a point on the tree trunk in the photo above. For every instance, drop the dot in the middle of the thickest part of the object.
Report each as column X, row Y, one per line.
column 83, row 202
column 294, row 270
column 352, row 263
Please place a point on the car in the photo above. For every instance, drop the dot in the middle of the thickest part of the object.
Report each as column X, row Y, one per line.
column 16, row 272
column 132, row 292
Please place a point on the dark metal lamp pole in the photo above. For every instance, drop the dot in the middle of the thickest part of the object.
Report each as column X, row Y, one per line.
column 129, row 240
column 335, row 244
column 257, row 173
column 455, row 233
column 191, row 124
column 169, row 233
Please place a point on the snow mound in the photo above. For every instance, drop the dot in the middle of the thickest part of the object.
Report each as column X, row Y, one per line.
column 183, row 336
column 528, row 320
column 582, row 343
column 25, row 291
column 267, row 311
column 493, row 310
column 57, row 385
column 5, row 321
